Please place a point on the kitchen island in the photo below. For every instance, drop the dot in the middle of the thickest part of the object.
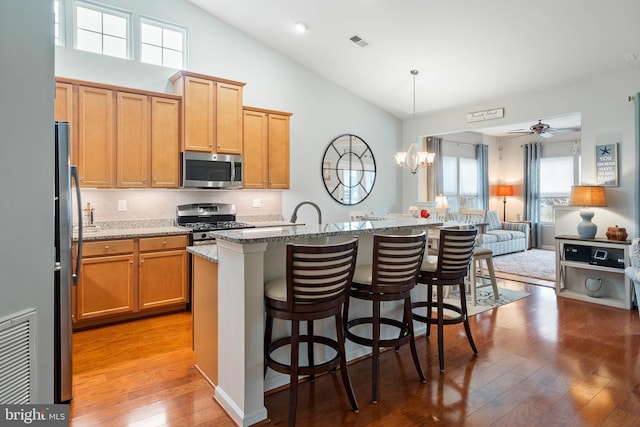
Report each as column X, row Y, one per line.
column 248, row 258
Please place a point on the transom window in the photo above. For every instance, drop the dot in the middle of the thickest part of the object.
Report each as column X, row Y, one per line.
column 162, row 44
column 101, row 30
column 58, row 27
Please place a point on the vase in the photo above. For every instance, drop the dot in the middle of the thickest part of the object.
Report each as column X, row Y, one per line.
column 593, row 287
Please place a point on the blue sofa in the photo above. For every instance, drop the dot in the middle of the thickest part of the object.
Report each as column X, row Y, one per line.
column 503, row 237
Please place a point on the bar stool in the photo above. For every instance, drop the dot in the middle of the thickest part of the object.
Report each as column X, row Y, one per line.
column 396, row 262
column 448, row 268
column 479, row 255
column 315, row 287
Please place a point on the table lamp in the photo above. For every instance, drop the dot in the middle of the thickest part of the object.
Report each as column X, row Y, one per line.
column 504, row 191
column 587, row 196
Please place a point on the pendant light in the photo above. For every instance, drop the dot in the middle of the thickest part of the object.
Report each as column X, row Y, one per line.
column 414, row 159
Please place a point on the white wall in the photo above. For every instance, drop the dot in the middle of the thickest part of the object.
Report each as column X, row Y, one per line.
column 321, row 110
column 607, row 116
column 27, row 169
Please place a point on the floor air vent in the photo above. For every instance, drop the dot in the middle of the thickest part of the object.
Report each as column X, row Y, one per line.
column 17, row 358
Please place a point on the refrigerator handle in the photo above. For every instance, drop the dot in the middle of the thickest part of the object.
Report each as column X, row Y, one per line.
column 74, row 177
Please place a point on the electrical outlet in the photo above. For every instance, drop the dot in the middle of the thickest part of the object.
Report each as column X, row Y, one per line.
column 122, row 205
column 257, row 203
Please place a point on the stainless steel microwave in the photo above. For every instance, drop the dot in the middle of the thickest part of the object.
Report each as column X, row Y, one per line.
column 204, row 170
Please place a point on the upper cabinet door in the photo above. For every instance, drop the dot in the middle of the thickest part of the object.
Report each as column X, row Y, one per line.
column 165, row 142
column 254, row 161
column 228, row 118
column 96, row 141
column 198, row 114
column 278, row 151
column 132, row 146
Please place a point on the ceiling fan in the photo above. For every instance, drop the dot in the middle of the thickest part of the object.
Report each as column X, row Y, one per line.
column 543, row 129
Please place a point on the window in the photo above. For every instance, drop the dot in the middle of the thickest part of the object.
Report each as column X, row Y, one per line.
column 460, row 176
column 58, row 27
column 102, row 30
column 557, row 175
column 162, row 44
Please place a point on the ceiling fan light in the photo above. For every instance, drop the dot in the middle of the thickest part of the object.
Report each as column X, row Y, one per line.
column 546, row 134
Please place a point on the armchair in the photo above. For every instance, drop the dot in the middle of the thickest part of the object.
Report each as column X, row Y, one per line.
column 503, row 237
column 633, row 271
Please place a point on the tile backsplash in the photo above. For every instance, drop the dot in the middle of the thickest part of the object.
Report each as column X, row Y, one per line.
column 143, row 204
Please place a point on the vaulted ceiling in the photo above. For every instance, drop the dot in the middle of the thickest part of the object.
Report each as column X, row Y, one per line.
column 466, row 51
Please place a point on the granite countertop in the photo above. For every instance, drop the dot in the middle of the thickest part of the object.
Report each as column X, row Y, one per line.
column 108, row 230
column 208, row 252
column 293, row 232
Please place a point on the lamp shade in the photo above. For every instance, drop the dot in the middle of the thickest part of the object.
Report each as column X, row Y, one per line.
column 504, row 190
column 587, row 195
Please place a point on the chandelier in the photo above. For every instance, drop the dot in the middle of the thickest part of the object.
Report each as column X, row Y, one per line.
column 413, row 159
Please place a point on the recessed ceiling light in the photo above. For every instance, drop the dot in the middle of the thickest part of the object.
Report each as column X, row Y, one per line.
column 301, row 27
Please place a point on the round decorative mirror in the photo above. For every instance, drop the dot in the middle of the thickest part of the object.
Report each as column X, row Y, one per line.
column 348, row 169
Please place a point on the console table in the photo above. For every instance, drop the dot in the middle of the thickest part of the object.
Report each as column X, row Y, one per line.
column 601, row 259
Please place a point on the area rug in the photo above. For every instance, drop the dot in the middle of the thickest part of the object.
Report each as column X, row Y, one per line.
column 536, row 263
column 486, row 299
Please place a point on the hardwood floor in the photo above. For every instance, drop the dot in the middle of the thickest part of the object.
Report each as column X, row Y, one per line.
column 542, row 361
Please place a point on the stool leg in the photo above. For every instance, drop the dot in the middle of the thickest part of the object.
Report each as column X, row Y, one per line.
column 429, row 308
column 492, row 276
column 408, row 320
column 310, row 346
column 343, row 364
column 268, row 330
column 467, row 329
column 293, row 378
column 375, row 356
column 441, row 324
column 472, row 279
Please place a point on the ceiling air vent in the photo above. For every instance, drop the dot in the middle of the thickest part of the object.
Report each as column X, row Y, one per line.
column 359, row 41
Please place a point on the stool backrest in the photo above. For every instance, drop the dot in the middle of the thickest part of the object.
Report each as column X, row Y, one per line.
column 454, row 252
column 318, row 276
column 396, row 261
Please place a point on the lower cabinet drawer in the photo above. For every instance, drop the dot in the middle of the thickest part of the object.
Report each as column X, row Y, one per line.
column 107, row 247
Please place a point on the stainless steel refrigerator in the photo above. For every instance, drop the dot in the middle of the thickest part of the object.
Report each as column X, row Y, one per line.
column 65, row 275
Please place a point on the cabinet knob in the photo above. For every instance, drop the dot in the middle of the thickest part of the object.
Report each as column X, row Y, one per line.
column 164, row 243
column 155, row 180
column 82, row 178
column 211, row 145
column 144, row 179
column 106, row 247
column 141, row 261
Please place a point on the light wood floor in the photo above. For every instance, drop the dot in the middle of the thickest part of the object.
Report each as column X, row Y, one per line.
column 542, row 362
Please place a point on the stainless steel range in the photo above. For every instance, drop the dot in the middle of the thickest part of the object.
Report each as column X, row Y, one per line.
column 204, row 218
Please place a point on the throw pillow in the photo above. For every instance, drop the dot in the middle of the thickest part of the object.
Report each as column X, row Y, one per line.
column 493, row 220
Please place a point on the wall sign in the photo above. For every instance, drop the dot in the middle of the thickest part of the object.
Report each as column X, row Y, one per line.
column 478, row 116
column 607, row 165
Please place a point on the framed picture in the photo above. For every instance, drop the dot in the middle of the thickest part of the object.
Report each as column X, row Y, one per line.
column 607, row 165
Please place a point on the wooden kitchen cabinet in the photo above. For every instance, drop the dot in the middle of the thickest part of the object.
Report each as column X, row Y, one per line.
column 148, row 141
column 96, row 137
column 211, row 114
column 106, row 284
column 163, row 271
column 266, row 148
column 165, row 142
column 228, row 118
column 128, row 279
column 132, row 142
column 127, row 138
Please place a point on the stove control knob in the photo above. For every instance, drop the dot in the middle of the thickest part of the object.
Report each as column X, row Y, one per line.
column 203, row 235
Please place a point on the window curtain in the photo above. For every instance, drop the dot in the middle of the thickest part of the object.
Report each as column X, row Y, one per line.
column 636, row 101
column 532, row 156
column 434, row 172
column 482, row 155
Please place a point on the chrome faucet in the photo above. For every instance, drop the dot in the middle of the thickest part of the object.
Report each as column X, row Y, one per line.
column 294, row 215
